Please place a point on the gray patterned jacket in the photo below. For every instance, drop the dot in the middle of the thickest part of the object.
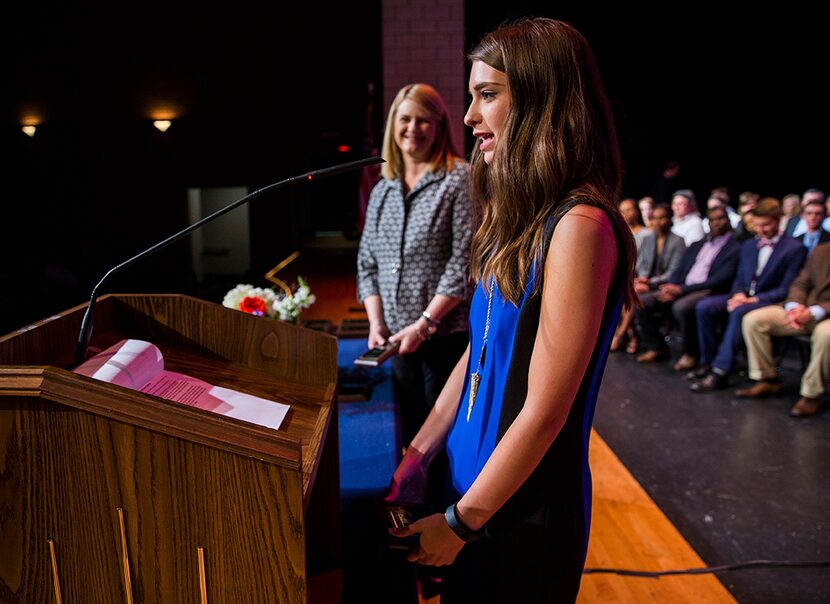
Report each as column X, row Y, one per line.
column 417, row 246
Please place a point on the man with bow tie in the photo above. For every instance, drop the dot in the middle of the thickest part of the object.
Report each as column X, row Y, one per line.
column 768, row 265
column 805, row 312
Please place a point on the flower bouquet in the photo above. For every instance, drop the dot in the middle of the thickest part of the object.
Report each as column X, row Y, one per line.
column 265, row 302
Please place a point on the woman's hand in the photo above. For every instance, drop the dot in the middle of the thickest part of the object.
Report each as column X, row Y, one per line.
column 410, row 337
column 438, row 545
column 409, row 482
column 378, row 333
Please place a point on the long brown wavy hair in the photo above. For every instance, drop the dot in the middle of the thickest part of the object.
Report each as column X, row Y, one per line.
column 559, row 144
column 443, row 153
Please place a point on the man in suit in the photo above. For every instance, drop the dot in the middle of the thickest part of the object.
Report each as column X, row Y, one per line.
column 707, row 267
column 798, row 227
column 813, row 214
column 805, row 312
column 721, row 201
column 746, row 203
column 768, row 264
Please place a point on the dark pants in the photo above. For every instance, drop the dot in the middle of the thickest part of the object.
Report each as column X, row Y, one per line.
column 374, row 573
column 711, row 313
column 683, row 309
column 420, row 376
column 504, row 567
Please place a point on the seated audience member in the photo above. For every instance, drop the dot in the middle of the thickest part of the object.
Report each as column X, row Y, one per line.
column 708, row 267
column 660, row 252
column 717, row 201
column 804, row 312
column 813, row 215
column 634, row 220
column 687, row 222
column 631, row 212
column 646, row 205
column 658, row 256
column 791, row 208
column 799, row 227
column 766, row 268
column 746, row 203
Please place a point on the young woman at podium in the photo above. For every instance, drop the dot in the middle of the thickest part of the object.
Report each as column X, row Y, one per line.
column 553, row 260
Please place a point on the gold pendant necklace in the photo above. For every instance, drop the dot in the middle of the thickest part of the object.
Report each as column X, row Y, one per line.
column 475, row 378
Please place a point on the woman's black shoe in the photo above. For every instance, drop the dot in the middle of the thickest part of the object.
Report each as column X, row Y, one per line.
column 699, row 373
column 711, row 382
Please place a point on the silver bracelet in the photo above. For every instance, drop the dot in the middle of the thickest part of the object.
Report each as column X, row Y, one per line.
column 428, row 318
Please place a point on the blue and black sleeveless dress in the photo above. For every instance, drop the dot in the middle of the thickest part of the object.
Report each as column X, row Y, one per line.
column 535, row 545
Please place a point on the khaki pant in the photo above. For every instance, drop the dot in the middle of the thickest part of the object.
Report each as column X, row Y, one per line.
column 759, row 325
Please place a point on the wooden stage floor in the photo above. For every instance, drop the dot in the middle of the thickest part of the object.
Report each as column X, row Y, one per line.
column 629, row 531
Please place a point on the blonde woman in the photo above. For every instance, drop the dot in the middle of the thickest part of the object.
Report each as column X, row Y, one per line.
column 413, row 259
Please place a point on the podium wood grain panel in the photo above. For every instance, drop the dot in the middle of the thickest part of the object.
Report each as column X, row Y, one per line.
column 74, row 450
column 75, row 469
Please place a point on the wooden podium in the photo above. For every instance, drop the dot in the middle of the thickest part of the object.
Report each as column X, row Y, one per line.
column 110, row 495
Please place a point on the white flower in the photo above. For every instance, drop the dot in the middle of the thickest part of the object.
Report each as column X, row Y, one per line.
column 288, row 307
column 284, row 307
column 235, row 298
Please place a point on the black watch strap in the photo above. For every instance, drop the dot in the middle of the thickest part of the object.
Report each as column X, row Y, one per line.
column 464, row 532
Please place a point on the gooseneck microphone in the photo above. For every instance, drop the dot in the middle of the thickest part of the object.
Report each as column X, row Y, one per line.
column 86, row 324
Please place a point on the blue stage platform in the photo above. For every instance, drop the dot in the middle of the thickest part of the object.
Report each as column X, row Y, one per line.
column 369, row 445
column 370, row 450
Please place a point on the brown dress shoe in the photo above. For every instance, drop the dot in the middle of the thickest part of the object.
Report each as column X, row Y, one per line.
column 805, row 407
column 651, row 356
column 758, row 390
column 685, row 363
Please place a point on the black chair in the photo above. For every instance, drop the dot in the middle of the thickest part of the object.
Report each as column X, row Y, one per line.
column 782, row 345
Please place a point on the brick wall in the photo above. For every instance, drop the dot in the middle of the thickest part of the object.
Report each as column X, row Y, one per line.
column 423, row 41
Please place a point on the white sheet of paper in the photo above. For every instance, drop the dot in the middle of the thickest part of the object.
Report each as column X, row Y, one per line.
column 198, row 393
column 139, row 365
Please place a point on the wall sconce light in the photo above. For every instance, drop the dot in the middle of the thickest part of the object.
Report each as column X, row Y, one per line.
column 163, row 115
column 162, row 125
column 30, row 122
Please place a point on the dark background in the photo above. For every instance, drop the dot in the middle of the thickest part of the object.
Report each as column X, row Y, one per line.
column 269, row 90
column 733, row 96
